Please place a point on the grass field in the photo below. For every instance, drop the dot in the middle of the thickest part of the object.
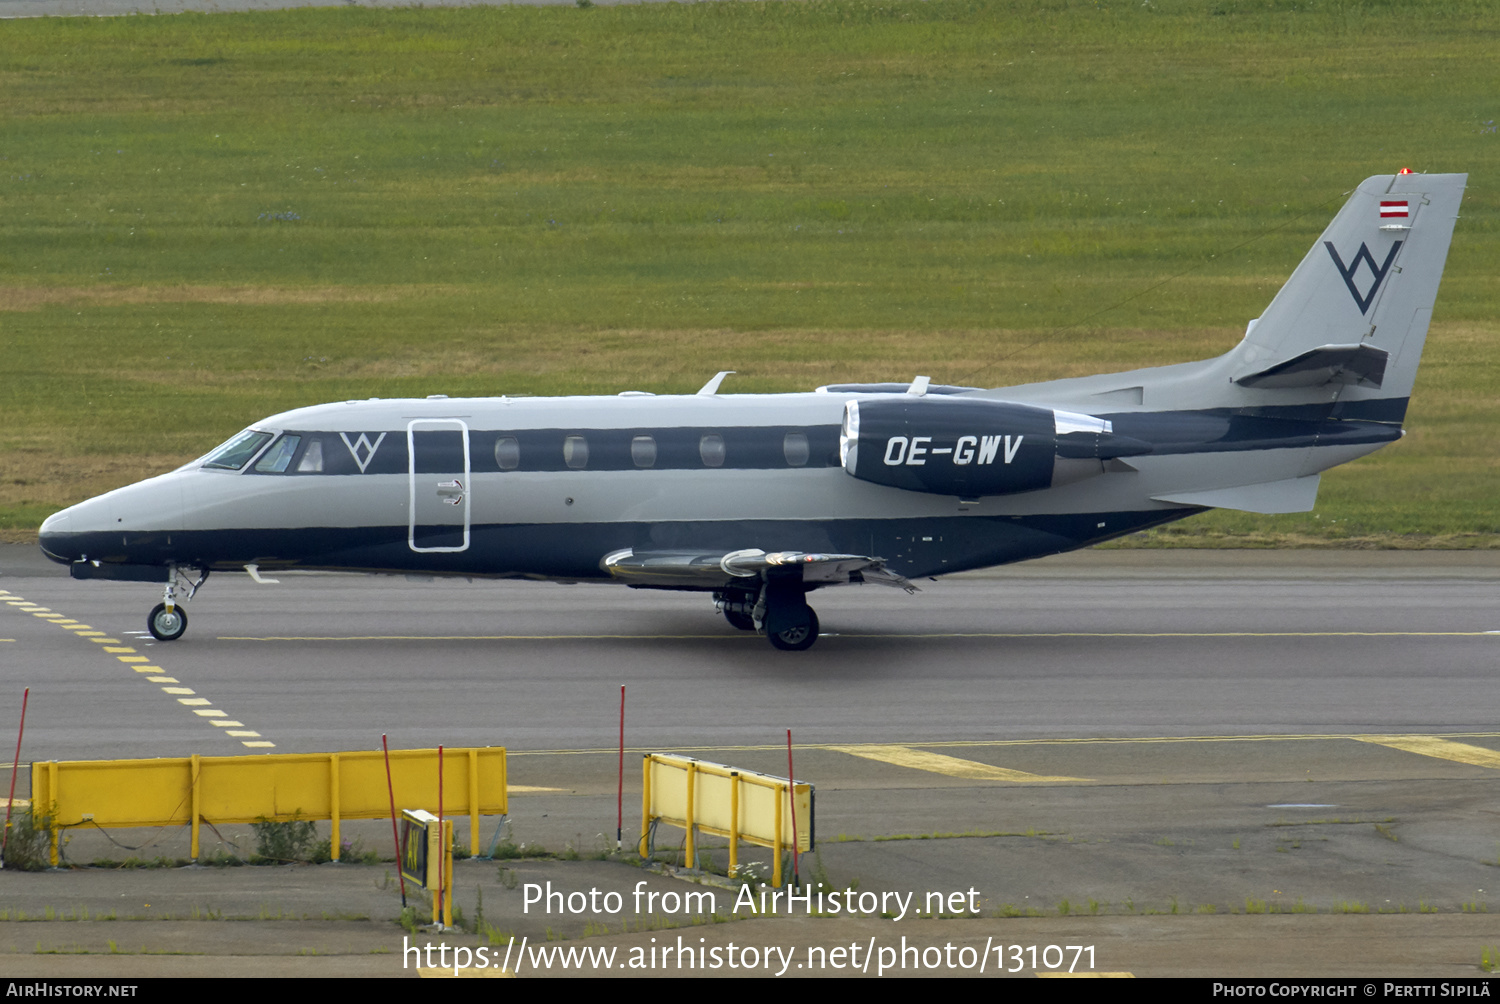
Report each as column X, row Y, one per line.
column 205, row 219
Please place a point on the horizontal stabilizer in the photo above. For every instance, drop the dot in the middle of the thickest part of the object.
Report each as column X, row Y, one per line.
column 1291, row 495
column 1343, row 364
column 714, row 570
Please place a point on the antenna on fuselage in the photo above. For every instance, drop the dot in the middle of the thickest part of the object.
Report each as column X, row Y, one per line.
column 712, row 387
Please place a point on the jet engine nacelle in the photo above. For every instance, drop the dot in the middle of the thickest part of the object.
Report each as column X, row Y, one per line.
column 971, row 448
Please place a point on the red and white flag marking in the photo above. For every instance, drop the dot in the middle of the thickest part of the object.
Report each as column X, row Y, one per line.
column 1390, row 209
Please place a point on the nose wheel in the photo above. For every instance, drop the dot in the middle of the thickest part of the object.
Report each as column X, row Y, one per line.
column 167, row 620
column 166, row 624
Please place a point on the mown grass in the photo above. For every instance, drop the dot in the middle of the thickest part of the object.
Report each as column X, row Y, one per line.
column 209, row 218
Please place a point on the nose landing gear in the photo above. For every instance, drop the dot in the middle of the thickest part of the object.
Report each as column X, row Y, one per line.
column 168, row 621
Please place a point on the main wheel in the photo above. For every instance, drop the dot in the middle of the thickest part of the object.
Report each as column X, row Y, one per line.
column 742, row 621
column 798, row 638
column 166, row 626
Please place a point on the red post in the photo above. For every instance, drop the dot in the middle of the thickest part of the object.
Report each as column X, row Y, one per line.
column 620, row 790
column 442, row 872
column 791, row 797
column 14, row 768
column 395, row 837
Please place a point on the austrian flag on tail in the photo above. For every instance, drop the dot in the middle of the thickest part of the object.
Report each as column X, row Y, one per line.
column 1390, row 209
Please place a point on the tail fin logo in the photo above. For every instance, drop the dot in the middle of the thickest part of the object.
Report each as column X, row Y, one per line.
column 1347, row 271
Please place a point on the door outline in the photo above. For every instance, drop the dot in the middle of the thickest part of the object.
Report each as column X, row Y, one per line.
column 467, row 488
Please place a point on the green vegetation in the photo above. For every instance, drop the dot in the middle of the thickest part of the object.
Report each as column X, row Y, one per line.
column 26, row 842
column 210, row 218
column 287, row 841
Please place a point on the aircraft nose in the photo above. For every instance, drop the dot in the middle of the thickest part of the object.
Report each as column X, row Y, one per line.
column 55, row 537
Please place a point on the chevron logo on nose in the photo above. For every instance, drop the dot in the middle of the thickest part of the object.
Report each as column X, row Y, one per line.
column 1347, row 271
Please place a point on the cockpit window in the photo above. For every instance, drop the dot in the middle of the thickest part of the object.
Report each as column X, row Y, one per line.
column 234, row 454
column 312, row 458
column 277, row 458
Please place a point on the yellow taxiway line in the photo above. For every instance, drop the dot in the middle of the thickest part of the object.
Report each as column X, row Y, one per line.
column 938, row 763
column 1439, row 747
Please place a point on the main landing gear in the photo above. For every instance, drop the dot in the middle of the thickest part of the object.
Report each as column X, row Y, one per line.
column 777, row 610
column 799, row 638
column 167, row 620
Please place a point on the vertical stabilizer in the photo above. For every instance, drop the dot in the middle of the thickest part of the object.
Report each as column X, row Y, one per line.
column 1350, row 323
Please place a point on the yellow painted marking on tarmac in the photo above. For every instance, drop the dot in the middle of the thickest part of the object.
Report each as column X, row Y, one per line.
column 528, row 789
column 961, row 743
column 240, row 732
column 464, row 974
column 7, row 639
column 19, row 803
column 155, row 674
column 1442, row 749
column 258, row 742
column 1084, row 976
column 937, row 763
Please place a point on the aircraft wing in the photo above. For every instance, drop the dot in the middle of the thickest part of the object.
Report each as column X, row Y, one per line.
column 718, row 569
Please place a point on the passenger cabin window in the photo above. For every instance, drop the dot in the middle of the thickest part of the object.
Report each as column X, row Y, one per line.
column 794, row 447
column 278, row 457
column 576, row 452
column 508, row 453
column 643, row 451
column 711, row 449
column 236, row 453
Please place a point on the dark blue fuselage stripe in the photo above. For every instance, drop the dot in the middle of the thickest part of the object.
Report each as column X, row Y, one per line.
column 912, row 547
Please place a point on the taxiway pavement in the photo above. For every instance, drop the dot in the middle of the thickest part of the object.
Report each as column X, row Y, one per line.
column 1133, row 732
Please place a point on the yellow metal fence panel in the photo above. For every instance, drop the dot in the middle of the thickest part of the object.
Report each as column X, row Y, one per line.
column 712, row 786
column 124, row 792
column 274, row 787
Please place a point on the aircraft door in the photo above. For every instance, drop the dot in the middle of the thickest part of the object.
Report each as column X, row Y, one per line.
column 439, row 478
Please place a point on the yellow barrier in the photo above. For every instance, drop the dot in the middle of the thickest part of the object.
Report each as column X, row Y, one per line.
column 427, row 860
column 738, row 804
column 175, row 791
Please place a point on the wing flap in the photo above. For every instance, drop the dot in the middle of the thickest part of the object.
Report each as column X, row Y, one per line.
column 717, row 569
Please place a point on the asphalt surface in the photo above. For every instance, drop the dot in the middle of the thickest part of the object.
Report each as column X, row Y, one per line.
column 1125, row 735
